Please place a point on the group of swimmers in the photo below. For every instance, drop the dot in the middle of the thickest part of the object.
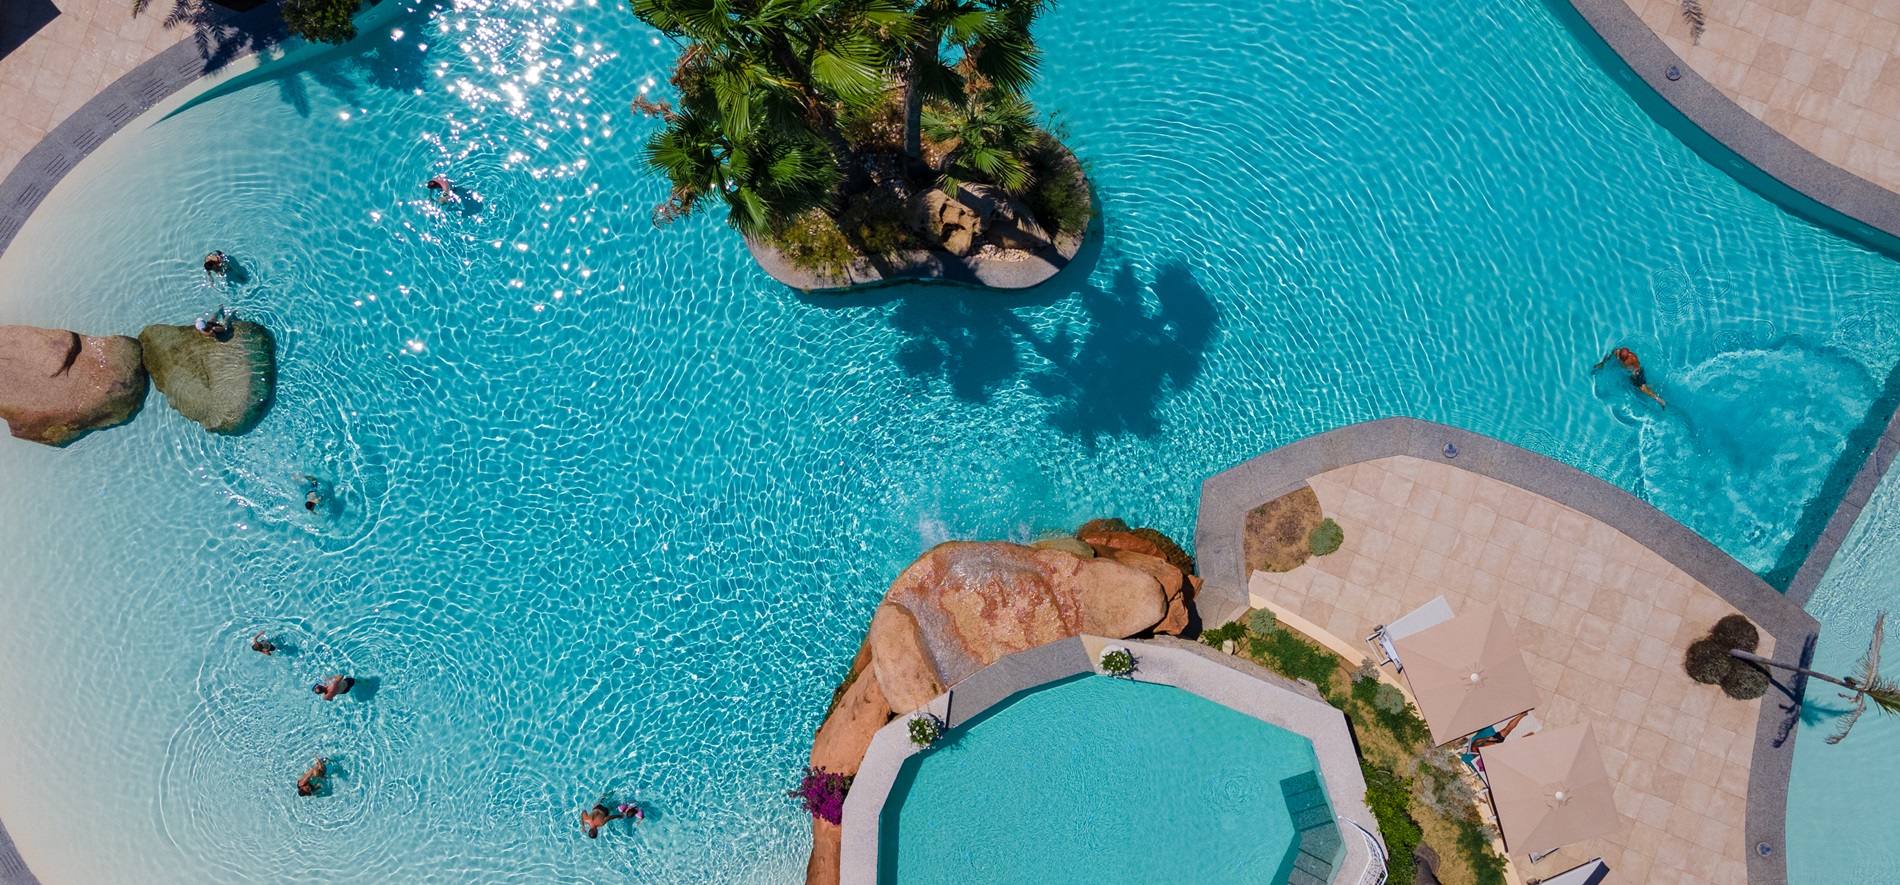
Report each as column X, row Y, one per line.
column 330, row 689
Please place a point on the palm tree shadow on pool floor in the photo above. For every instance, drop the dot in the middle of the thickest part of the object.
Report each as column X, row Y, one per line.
column 1106, row 376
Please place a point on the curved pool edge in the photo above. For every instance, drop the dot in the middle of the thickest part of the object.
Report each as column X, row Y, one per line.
column 1875, row 462
column 1238, row 685
column 238, row 36
column 1227, row 496
column 1733, row 140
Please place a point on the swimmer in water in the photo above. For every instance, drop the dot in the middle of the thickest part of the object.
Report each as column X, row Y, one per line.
column 312, row 495
column 443, row 190
column 262, row 645
column 216, row 264
column 595, row 818
column 312, row 780
column 337, row 686
column 1627, row 358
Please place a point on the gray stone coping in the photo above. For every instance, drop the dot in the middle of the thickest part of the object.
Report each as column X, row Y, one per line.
column 206, row 49
column 1734, row 140
column 1235, row 684
column 1227, row 496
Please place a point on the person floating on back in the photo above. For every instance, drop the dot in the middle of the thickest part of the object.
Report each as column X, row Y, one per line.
column 312, row 780
column 1632, row 365
column 337, row 686
column 597, row 817
column 262, row 644
column 442, row 189
column 216, row 264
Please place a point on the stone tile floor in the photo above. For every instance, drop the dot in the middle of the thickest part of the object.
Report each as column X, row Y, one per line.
column 1821, row 72
column 1602, row 621
column 86, row 47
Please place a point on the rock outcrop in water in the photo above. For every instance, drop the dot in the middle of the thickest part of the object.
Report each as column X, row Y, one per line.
column 223, row 384
column 964, row 605
column 57, row 386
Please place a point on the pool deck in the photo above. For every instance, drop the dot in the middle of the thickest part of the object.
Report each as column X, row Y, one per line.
column 1604, row 593
column 1186, row 665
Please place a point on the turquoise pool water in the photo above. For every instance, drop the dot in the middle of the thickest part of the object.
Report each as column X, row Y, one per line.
column 613, row 509
column 1840, row 799
column 1099, row 779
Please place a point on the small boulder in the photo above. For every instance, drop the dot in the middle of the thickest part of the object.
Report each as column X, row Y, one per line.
column 1066, row 545
column 846, row 735
column 901, row 664
column 57, row 386
column 1118, row 600
column 1175, row 586
column 225, row 385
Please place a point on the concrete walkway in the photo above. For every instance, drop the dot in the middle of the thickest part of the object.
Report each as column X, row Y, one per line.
column 1821, row 72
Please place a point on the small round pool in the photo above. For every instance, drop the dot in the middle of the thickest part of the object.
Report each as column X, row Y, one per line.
column 1095, row 779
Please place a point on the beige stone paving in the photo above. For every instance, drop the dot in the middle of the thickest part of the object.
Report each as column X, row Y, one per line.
column 90, row 44
column 1602, row 621
column 1821, row 72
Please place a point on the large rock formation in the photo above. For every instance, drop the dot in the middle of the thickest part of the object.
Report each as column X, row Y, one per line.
column 223, row 384
column 963, row 606
column 57, row 386
column 977, row 216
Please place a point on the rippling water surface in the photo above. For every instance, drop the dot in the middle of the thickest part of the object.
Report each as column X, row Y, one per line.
column 611, row 508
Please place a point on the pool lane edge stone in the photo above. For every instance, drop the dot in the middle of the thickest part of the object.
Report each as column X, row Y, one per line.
column 1227, row 496
column 1238, row 685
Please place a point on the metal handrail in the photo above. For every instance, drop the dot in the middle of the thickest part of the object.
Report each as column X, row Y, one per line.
column 1375, row 873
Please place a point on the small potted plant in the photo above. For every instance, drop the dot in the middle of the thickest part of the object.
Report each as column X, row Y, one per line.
column 1117, row 661
column 925, row 729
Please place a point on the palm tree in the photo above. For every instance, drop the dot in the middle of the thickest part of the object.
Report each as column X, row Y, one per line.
column 769, row 177
column 991, row 36
column 1866, row 685
column 989, row 134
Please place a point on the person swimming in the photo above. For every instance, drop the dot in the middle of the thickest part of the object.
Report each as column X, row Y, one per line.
column 312, row 494
column 262, row 644
column 1627, row 359
column 337, row 686
column 595, row 818
column 312, row 780
column 216, row 264
column 442, row 189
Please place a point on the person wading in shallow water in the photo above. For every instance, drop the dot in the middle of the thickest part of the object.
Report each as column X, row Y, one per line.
column 312, row 780
column 338, row 685
column 1627, row 358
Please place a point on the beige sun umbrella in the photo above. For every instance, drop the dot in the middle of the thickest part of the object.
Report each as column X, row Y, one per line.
column 1550, row 789
column 1466, row 673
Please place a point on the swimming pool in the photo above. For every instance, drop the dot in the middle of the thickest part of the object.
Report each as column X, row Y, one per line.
column 1840, row 797
column 1099, row 777
column 613, row 508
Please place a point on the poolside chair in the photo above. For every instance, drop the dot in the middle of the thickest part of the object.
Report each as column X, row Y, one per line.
column 1430, row 614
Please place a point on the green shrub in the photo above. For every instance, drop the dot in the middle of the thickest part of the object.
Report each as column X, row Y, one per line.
column 813, row 242
column 1295, row 658
column 925, row 729
column 1388, row 699
column 1230, row 631
column 1058, row 193
column 1735, row 631
column 1326, row 537
column 1474, row 842
column 321, row 21
column 1745, row 681
column 1263, row 621
column 1707, row 661
column 1389, row 797
column 1367, row 671
column 1118, row 662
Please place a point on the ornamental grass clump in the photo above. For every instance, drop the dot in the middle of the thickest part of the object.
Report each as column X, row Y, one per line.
column 925, row 729
column 1710, row 662
column 1326, row 537
column 1263, row 621
column 823, row 794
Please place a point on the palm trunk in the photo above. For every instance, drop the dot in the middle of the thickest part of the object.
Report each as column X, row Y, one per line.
column 922, row 54
column 1768, row 662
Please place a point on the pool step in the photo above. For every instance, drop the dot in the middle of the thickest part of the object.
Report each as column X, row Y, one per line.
column 1320, row 839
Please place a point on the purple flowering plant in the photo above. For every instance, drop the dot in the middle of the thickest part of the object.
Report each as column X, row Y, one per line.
column 823, row 793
